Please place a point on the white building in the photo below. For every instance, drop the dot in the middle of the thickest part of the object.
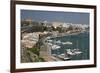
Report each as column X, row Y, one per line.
column 29, row 40
column 56, row 24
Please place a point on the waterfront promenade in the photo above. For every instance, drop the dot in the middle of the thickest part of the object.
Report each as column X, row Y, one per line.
column 45, row 51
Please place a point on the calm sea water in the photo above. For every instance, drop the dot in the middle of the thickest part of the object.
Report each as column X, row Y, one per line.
column 80, row 41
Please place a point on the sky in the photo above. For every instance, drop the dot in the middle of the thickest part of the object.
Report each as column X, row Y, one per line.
column 53, row 16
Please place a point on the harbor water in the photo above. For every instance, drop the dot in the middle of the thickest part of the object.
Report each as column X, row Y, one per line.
column 80, row 41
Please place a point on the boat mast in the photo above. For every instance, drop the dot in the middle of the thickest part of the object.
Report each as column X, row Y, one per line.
column 77, row 45
column 66, row 54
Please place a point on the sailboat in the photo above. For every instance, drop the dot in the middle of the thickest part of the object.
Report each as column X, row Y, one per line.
column 68, row 42
column 77, row 51
column 74, row 51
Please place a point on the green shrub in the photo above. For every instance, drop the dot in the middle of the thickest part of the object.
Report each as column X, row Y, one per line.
column 34, row 50
column 39, row 59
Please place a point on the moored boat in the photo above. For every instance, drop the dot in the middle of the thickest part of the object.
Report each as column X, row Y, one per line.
column 68, row 42
column 73, row 51
column 54, row 47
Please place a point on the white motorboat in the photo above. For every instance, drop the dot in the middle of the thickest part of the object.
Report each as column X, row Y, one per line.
column 58, row 42
column 50, row 44
column 70, row 52
column 68, row 42
column 49, row 40
column 48, row 37
column 54, row 47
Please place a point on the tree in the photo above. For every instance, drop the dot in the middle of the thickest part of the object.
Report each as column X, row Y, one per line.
column 70, row 27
